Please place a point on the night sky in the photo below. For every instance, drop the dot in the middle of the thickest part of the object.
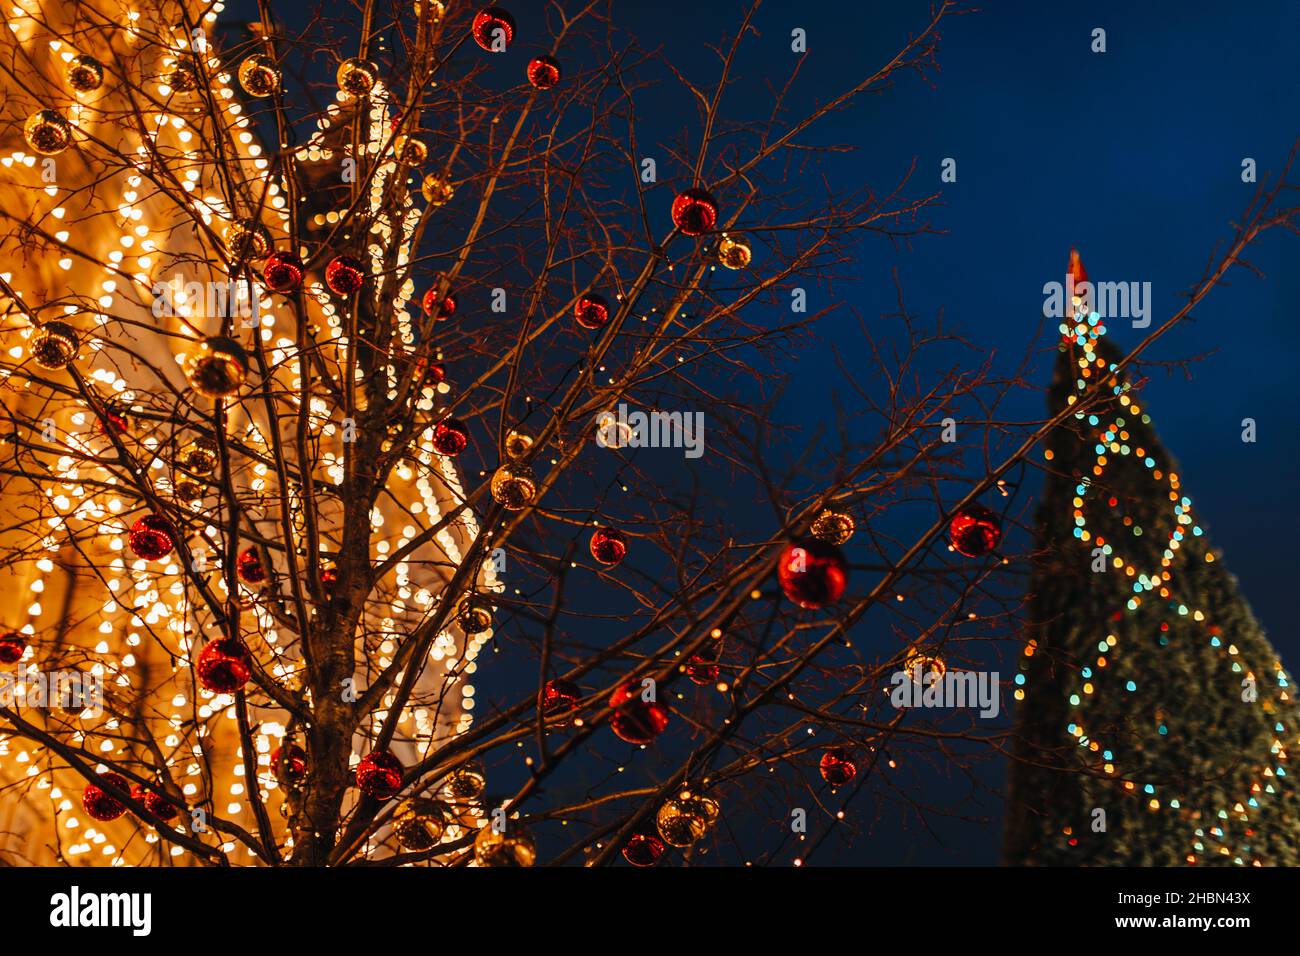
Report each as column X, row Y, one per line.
column 1134, row 156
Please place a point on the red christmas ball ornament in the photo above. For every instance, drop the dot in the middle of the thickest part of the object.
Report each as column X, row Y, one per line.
column 151, row 537
column 224, row 665
column 591, row 311
column 328, row 578
column 493, row 29
column 113, row 420
column 608, row 546
column 450, row 437
column 836, row 767
column 154, row 802
column 430, row 304
column 643, row 849
column 695, row 212
column 249, row 566
column 812, row 573
column 702, row 668
column 282, row 272
column 12, row 647
column 544, row 72
column 636, row 720
column 344, row 275
column 103, row 806
column 974, row 531
column 289, row 764
column 559, row 696
column 433, row 375
column 379, row 775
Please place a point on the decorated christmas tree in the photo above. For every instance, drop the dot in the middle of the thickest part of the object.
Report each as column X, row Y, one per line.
column 1155, row 719
column 356, row 506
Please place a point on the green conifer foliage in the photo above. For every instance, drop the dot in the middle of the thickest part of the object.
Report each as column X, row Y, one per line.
column 1150, row 693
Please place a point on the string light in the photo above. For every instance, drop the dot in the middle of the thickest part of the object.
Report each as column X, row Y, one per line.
column 1111, row 442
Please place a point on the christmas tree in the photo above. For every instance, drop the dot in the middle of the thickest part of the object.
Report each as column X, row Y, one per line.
column 355, row 509
column 1155, row 719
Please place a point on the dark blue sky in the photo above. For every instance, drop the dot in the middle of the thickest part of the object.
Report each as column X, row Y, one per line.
column 1134, row 156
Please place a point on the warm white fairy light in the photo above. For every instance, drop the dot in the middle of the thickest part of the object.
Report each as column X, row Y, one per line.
column 145, row 601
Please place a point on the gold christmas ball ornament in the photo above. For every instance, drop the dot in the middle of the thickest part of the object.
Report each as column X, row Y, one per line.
column 53, row 346
column 216, row 367
column 187, row 489
column 198, row 457
column 518, row 443
column 420, row 825
column 514, row 486
column 259, row 76
column 357, row 77
column 410, row 150
column 682, row 821
column 473, row 614
column 183, row 76
column 611, row 432
column 513, row 847
column 833, row 527
column 85, row 74
column 928, row 662
column 437, row 190
column 433, row 9
column 247, row 239
column 47, row 132
column 465, row 783
column 734, row 252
